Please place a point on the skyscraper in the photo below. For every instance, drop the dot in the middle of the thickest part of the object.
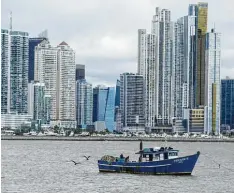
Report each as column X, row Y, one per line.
column 212, row 82
column 80, row 72
column 19, row 72
column 104, row 105
column 84, row 103
column 39, row 102
column 227, row 102
column 66, row 80
column 33, row 42
column 202, row 11
column 147, row 67
column 45, row 71
column 55, row 66
column 184, row 43
column 117, row 94
column 155, row 59
column 5, row 70
column 132, row 99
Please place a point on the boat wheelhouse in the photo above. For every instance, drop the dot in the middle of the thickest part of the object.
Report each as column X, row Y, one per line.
column 157, row 154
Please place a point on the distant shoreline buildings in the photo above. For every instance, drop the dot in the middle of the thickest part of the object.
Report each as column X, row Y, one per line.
column 177, row 87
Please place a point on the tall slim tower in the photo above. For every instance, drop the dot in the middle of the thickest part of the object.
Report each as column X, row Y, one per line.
column 45, row 71
column 202, row 11
column 148, row 69
column 66, row 81
column 84, row 103
column 184, row 43
column 5, row 63
column 212, row 82
column 162, row 27
column 19, row 72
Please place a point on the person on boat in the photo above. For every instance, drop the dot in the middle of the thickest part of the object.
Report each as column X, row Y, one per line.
column 127, row 159
column 121, row 156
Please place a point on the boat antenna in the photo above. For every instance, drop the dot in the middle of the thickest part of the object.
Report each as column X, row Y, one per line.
column 165, row 141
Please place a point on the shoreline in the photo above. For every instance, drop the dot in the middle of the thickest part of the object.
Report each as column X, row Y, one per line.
column 62, row 138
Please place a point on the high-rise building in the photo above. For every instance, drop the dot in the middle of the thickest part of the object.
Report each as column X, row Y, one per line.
column 45, row 71
column 47, row 108
column 227, row 102
column 117, row 94
column 5, row 70
column 33, row 42
column 31, row 97
column 162, row 27
column 184, row 43
column 84, row 103
column 155, row 61
column 212, row 82
column 147, row 67
column 80, row 72
column 118, row 121
column 39, row 102
column 104, row 106
column 132, row 100
column 66, row 90
column 19, row 72
column 202, row 12
column 55, row 66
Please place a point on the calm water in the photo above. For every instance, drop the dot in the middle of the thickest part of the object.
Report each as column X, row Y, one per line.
column 41, row 166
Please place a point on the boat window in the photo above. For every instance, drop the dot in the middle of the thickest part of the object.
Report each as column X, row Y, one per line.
column 173, row 154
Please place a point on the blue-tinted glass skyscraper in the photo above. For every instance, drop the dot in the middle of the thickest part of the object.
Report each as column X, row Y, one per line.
column 227, row 102
column 33, row 42
column 104, row 106
column 117, row 94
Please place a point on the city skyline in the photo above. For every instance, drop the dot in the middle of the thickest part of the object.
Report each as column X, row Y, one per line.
column 104, row 45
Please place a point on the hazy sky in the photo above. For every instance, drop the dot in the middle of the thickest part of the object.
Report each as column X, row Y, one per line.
column 104, row 32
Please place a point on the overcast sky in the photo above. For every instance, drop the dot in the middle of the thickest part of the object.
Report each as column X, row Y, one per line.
column 104, row 32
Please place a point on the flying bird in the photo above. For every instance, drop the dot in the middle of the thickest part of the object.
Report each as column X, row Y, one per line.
column 75, row 162
column 87, row 157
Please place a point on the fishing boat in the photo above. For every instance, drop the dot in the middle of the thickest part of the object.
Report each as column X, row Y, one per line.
column 155, row 161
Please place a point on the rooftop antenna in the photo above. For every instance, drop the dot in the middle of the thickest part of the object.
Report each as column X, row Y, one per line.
column 10, row 20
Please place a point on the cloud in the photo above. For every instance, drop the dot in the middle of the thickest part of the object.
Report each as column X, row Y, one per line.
column 104, row 33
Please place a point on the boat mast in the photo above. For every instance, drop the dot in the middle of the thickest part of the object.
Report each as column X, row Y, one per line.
column 141, row 148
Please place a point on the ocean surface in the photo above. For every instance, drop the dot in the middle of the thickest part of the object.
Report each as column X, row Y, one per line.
column 43, row 166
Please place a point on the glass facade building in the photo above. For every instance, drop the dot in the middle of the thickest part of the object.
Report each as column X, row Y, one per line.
column 117, row 94
column 19, row 72
column 33, row 42
column 227, row 102
column 84, row 103
column 104, row 106
column 80, row 72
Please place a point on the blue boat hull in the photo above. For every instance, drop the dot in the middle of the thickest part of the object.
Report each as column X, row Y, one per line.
column 177, row 166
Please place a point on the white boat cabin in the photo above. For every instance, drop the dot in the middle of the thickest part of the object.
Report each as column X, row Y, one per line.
column 158, row 153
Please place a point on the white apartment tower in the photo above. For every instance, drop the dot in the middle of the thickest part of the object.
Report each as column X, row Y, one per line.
column 66, row 89
column 148, row 69
column 212, row 83
column 45, row 71
column 55, row 66
column 162, row 27
column 155, row 59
